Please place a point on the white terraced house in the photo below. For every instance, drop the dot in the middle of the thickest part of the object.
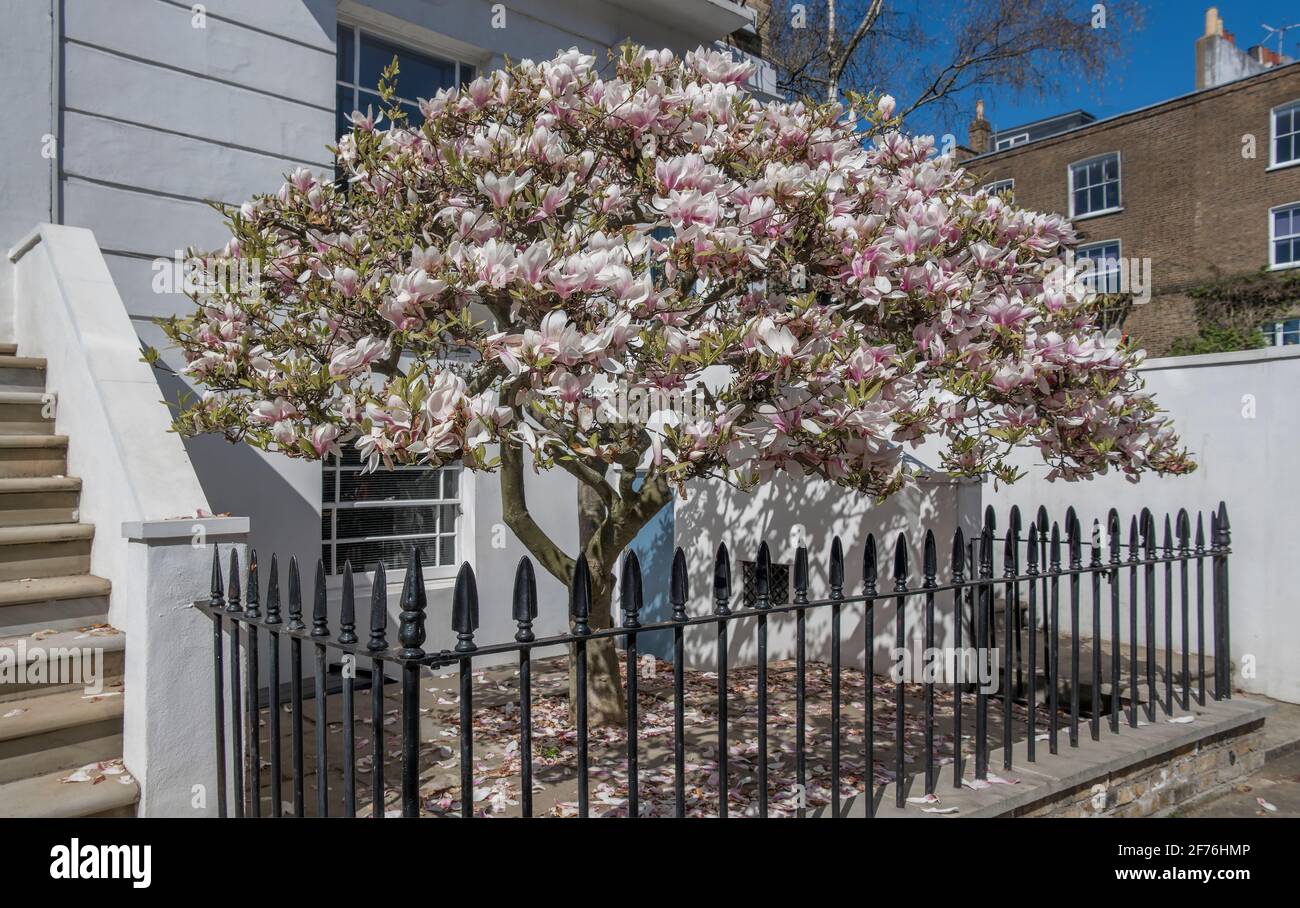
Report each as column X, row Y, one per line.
column 125, row 119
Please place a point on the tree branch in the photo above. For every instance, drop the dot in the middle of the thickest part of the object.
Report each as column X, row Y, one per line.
column 514, row 510
column 868, row 20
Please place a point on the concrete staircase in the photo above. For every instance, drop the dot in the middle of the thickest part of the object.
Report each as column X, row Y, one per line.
column 61, row 677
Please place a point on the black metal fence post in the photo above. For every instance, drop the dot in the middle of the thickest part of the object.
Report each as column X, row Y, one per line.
column 411, row 635
column 1116, row 635
column 377, row 644
column 1072, row 530
column 900, row 682
column 801, row 680
column 1031, row 569
column 630, row 601
column 869, row 577
column 233, row 609
column 1010, row 609
column 836, row 573
column 1200, row 607
column 296, row 626
column 762, row 602
column 1184, row 527
column 524, row 612
column 1094, row 572
column 960, row 663
column 464, row 621
column 217, row 602
column 1148, row 529
column 1054, row 642
column 982, row 637
column 252, row 612
column 929, row 570
column 1222, row 641
column 348, row 638
column 678, row 594
column 273, row 622
column 1133, row 605
column 1168, row 552
column 722, row 609
column 579, row 614
column 320, row 632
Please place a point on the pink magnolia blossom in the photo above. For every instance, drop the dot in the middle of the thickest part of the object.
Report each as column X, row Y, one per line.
column 835, row 290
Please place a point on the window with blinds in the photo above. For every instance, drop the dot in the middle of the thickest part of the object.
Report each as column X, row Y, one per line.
column 377, row 517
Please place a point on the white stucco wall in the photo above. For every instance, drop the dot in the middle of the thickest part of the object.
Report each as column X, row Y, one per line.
column 1237, row 413
column 25, row 178
column 789, row 510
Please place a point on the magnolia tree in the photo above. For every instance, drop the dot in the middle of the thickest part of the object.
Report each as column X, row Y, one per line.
column 483, row 289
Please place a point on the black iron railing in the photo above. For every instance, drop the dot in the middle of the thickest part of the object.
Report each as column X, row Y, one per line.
column 1032, row 598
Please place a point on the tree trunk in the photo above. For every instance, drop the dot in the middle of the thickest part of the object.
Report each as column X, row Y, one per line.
column 605, row 701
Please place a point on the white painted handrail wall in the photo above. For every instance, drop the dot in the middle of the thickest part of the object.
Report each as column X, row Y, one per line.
column 141, row 493
column 68, row 311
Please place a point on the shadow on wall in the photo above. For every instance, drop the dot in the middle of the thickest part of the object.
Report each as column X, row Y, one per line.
column 789, row 511
column 242, row 481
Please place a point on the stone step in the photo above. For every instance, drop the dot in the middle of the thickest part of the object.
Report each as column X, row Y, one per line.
column 8, row 349
column 45, row 550
column 22, row 373
column 33, row 455
column 52, row 603
column 50, row 796
column 45, row 732
column 40, row 590
column 26, row 501
column 51, row 661
column 26, row 413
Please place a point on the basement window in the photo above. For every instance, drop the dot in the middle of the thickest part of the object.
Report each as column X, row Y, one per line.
column 1094, row 186
column 778, row 584
column 1286, row 134
column 1284, row 236
column 380, row 516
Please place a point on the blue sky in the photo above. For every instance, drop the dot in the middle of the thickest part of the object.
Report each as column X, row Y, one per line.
column 1159, row 66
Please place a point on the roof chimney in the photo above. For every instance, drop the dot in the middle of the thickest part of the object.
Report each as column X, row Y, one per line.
column 980, row 133
column 1213, row 24
column 1218, row 59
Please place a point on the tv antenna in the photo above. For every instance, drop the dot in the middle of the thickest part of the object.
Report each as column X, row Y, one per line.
column 1281, row 35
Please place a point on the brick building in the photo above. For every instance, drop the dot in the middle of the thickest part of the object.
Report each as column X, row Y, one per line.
column 1206, row 186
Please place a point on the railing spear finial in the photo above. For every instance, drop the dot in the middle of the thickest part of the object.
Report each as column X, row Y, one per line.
column 348, row 609
column 524, row 600
column 411, row 619
column 464, row 609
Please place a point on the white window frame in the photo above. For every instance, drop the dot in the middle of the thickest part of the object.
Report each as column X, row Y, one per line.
column 438, row 51
column 1119, row 184
column 1277, row 331
column 1019, row 138
column 1272, row 238
column 1273, row 162
column 992, row 186
column 460, row 536
column 1119, row 257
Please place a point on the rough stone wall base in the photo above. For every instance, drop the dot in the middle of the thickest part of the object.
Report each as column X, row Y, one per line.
column 1163, row 783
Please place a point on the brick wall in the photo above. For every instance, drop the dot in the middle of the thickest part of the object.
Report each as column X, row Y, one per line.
column 1191, row 202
